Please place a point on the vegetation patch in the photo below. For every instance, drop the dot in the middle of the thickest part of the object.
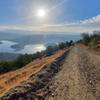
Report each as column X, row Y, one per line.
column 91, row 40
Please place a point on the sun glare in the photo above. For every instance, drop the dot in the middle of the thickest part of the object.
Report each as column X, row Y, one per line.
column 41, row 13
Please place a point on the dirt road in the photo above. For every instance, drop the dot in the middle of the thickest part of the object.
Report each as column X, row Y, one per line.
column 79, row 78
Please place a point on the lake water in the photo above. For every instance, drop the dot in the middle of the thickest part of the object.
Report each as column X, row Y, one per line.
column 32, row 44
column 32, row 48
column 5, row 46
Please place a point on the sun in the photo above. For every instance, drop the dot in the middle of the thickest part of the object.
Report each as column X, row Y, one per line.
column 41, row 13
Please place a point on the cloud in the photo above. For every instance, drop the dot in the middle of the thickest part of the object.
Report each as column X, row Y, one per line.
column 95, row 19
column 87, row 25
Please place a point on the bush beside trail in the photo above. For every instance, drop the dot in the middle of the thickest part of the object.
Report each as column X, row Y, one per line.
column 91, row 40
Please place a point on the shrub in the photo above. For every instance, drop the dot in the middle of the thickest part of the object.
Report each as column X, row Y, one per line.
column 91, row 39
column 85, row 38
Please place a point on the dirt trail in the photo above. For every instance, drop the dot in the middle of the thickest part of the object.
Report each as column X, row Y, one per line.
column 79, row 78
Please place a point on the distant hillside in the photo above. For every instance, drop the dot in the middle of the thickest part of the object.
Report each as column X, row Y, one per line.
column 8, row 56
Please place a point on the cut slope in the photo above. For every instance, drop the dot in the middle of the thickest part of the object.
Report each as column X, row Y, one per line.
column 14, row 78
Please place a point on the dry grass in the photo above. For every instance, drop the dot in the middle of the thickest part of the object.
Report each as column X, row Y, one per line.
column 14, row 78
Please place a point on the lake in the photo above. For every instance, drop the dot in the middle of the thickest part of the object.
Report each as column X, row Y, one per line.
column 33, row 43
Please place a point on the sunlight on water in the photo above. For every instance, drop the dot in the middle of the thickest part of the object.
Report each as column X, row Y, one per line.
column 32, row 48
column 5, row 46
column 33, row 43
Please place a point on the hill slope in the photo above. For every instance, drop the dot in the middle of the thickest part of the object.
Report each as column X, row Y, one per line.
column 14, row 78
column 75, row 78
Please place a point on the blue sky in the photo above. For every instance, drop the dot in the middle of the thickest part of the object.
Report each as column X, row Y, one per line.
column 61, row 16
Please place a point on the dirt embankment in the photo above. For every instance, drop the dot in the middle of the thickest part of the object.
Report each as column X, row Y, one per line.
column 73, row 76
column 14, row 78
column 30, row 89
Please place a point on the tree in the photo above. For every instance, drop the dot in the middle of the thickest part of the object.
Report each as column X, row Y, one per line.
column 85, row 38
column 62, row 45
column 49, row 50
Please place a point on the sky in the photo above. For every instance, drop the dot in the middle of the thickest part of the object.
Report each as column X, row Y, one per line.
column 60, row 15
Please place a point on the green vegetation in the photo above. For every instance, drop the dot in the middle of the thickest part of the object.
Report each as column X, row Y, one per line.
column 91, row 40
column 8, row 56
column 22, row 60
